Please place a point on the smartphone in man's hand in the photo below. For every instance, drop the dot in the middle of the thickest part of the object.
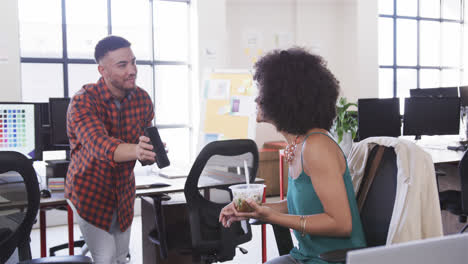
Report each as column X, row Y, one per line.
column 158, row 147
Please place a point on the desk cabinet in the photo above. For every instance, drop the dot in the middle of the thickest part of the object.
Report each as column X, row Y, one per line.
column 176, row 217
column 269, row 170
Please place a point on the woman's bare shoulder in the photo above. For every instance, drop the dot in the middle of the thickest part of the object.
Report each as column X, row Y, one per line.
column 322, row 153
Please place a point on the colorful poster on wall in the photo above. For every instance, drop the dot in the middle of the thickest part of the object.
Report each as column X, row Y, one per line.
column 228, row 107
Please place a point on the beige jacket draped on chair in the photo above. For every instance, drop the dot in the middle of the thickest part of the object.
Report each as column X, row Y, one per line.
column 416, row 213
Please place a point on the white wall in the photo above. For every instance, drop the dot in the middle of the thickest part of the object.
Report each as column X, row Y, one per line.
column 254, row 28
column 212, row 33
column 320, row 27
column 344, row 32
column 367, row 49
column 9, row 52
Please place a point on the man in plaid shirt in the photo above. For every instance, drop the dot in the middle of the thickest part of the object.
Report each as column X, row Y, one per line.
column 105, row 125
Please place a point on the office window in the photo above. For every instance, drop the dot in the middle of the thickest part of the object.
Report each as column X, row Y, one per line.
column 420, row 45
column 57, row 39
column 39, row 85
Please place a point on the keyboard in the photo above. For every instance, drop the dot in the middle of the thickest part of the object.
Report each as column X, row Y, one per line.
column 458, row 148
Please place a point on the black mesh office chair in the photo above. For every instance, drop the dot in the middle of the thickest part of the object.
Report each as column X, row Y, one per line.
column 19, row 204
column 211, row 242
column 208, row 241
column 456, row 202
column 375, row 198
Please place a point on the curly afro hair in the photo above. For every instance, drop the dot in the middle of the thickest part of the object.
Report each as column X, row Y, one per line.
column 296, row 90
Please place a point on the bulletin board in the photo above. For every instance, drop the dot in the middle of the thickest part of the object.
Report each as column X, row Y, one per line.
column 228, row 106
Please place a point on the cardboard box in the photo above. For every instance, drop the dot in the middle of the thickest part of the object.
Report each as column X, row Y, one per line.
column 275, row 145
column 268, row 169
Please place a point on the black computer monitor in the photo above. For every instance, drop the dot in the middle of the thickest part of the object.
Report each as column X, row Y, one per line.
column 58, row 122
column 379, row 117
column 431, row 116
column 463, row 95
column 434, row 92
column 20, row 129
column 44, row 109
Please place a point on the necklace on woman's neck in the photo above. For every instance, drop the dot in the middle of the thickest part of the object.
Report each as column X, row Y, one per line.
column 290, row 150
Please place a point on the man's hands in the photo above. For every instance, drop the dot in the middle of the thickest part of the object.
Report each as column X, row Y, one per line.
column 144, row 151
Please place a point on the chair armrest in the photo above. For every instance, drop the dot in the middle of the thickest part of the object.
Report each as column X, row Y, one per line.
column 440, row 173
column 336, row 256
column 256, row 222
column 60, row 260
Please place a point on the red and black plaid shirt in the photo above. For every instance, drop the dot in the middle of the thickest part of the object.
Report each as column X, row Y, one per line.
column 96, row 184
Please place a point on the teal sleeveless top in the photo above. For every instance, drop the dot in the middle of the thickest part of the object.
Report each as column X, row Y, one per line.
column 303, row 200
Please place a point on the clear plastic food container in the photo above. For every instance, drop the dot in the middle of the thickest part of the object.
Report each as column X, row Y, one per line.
column 242, row 192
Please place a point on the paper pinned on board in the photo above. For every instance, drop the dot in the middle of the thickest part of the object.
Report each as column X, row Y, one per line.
column 218, row 89
column 242, row 106
column 209, row 137
column 226, row 109
column 241, row 89
column 244, row 87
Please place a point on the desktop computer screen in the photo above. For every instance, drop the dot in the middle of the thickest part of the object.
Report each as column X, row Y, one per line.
column 379, row 117
column 464, row 95
column 55, row 138
column 58, row 121
column 431, row 116
column 20, row 129
column 434, row 92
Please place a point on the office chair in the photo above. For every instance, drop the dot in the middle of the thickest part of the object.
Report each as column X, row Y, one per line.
column 211, row 242
column 456, row 202
column 375, row 199
column 208, row 241
column 19, row 207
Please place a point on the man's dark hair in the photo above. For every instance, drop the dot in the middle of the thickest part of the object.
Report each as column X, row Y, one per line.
column 296, row 90
column 107, row 44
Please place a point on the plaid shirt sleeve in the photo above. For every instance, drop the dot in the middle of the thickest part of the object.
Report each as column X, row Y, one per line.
column 150, row 117
column 89, row 129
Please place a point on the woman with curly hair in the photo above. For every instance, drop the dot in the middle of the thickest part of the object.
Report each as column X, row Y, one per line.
column 297, row 94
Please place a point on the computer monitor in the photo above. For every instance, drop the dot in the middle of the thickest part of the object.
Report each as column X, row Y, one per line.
column 379, row 117
column 434, row 92
column 435, row 250
column 44, row 110
column 431, row 116
column 20, row 129
column 464, row 95
column 58, row 122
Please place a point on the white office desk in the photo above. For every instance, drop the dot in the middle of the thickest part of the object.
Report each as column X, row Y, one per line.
column 436, row 146
column 143, row 177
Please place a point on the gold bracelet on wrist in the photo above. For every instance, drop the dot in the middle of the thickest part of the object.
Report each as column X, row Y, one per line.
column 302, row 223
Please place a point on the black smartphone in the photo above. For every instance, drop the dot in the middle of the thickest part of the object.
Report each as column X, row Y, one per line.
column 158, row 147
